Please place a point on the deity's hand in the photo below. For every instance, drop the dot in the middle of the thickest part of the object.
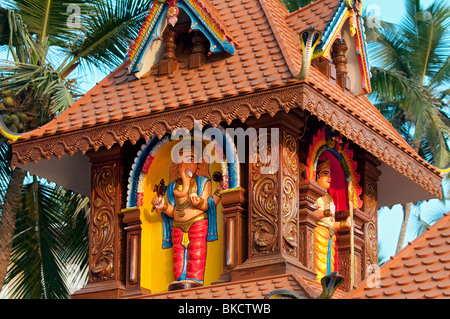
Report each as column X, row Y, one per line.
column 348, row 222
column 195, row 200
column 158, row 202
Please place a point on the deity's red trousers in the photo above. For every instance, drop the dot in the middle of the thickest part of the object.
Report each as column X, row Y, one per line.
column 189, row 263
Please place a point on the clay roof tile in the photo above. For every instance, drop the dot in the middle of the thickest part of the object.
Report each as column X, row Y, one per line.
column 420, row 270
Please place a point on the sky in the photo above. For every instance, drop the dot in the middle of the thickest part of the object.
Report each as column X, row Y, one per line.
column 390, row 10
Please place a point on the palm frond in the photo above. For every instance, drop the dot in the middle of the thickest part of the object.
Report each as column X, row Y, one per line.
column 41, row 248
column 429, row 45
column 106, row 30
column 43, row 85
column 389, row 51
column 48, row 19
column 395, row 86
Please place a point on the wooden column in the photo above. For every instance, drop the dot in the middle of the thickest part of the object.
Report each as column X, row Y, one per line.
column 343, row 243
column 106, row 240
column 199, row 51
column 132, row 226
column 273, row 198
column 340, row 61
column 168, row 63
column 369, row 179
column 235, row 230
column 365, row 233
column 308, row 195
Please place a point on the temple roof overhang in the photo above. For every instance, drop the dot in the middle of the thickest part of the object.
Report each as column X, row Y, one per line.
column 259, row 78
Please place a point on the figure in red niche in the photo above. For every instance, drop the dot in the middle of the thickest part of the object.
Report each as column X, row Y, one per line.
column 330, row 176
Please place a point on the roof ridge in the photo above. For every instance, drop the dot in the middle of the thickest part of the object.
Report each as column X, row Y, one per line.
column 307, row 288
column 275, row 26
column 306, row 7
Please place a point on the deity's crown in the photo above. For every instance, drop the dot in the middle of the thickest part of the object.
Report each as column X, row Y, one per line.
column 323, row 165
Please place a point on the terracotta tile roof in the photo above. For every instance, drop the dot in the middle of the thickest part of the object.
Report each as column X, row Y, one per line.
column 267, row 58
column 420, row 270
column 318, row 14
column 250, row 289
column 257, row 65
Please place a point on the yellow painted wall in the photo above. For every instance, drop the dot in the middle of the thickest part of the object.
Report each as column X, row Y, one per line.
column 156, row 263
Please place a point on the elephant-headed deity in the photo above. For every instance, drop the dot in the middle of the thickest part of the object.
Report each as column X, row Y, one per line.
column 189, row 215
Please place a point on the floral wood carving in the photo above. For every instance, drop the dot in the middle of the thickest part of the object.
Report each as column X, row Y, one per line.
column 301, row 95
column 290, row 195
column 102, row 237
column 371, row 244
column 264, row 215
column 370, row 199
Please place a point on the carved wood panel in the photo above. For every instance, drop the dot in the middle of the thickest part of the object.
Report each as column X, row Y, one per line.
column 371, row 229
column 290, row 195
column 264, row 218
column 103, row 230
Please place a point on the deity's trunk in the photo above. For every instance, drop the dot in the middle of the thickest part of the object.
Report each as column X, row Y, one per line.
column 186, row 181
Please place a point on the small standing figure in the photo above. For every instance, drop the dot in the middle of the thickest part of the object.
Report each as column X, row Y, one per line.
column 189, row 217
column 325, row 239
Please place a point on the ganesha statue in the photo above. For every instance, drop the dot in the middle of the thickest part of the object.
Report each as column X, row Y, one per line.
column 188, row 212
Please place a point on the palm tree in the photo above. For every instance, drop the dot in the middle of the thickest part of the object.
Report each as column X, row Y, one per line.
column 410, row 82
column 293, row 5
column 51, row 233
column 45, row 41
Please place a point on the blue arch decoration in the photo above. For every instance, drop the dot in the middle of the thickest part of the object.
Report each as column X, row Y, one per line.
column 139, row 170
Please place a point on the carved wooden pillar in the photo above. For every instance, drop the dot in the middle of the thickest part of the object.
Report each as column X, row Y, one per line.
column 340, row 61
column 343, row 243
column 132, row 223
column 369, row 180
column 106, row 240
column 168, row 63
column 273, row 198
column 199, row 51
column 235, row 230
column 308, row 195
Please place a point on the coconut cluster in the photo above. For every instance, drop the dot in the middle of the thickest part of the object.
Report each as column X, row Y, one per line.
column 14, row 115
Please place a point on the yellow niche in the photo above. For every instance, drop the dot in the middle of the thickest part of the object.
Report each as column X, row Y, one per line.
column 156, row 263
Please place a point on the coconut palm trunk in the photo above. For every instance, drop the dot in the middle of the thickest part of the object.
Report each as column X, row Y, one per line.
column 8, row 220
